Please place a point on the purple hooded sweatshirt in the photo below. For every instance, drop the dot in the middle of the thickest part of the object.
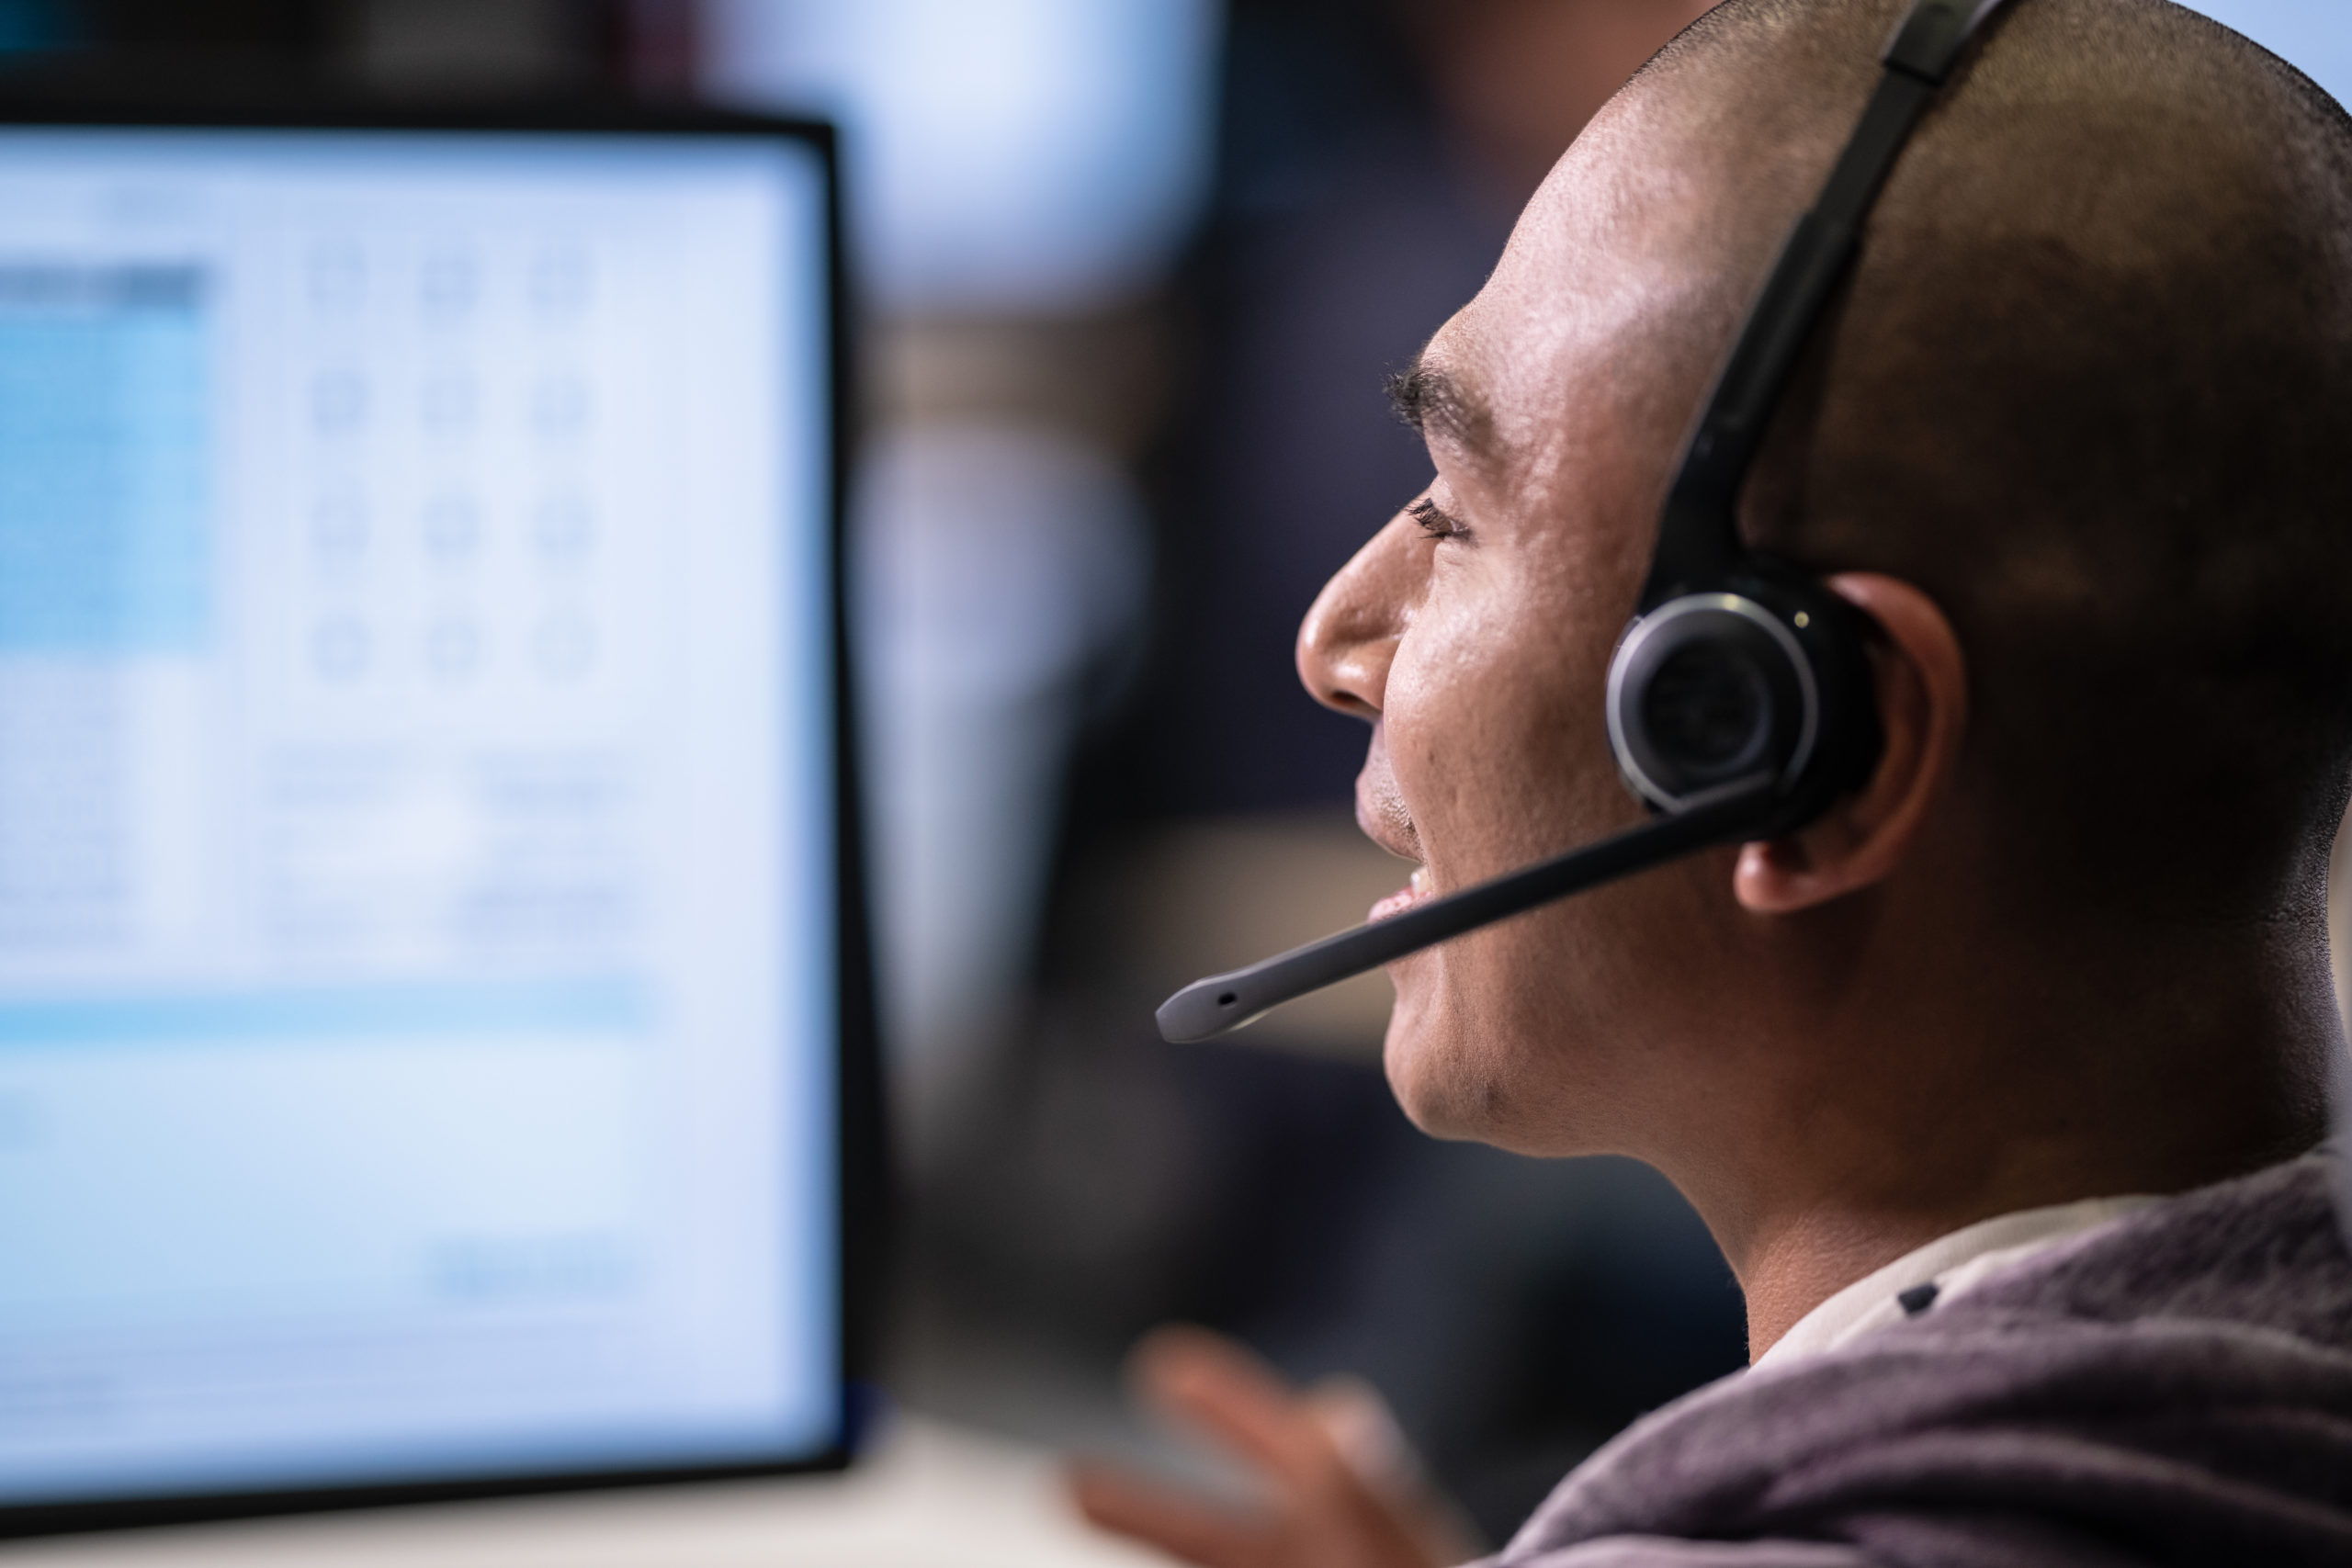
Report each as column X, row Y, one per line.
column 2175, row 1387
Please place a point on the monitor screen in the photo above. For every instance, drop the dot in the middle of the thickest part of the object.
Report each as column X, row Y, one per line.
column 420, row 1005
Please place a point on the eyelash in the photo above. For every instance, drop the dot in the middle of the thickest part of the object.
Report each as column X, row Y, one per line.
column 1434, row 521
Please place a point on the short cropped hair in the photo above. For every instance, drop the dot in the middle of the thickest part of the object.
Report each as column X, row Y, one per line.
column 2091, row 389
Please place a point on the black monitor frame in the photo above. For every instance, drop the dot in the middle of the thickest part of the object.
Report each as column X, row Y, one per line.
column 74, row 102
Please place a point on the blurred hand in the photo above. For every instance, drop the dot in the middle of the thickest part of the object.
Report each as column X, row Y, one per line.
column 1343, row 1489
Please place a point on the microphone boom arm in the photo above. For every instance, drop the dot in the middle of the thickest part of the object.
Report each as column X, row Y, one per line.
column 1222, row 1003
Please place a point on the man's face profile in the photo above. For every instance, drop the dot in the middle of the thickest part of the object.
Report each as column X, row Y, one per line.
column 1476, row 631
column 1989, row 453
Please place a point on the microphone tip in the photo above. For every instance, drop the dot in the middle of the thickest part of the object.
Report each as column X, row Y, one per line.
column 1202, row 1011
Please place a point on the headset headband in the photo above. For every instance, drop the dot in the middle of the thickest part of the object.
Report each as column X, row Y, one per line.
column 1699, row 535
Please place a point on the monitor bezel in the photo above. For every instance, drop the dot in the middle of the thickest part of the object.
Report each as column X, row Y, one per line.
column 861, row 1181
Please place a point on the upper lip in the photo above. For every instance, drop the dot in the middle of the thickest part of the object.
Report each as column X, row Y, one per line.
column 1381, row 813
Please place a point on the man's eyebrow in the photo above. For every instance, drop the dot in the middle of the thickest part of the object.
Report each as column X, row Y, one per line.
column 1431, row 400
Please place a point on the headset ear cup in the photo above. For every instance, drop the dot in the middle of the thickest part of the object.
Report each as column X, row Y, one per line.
column 1709, row 689
column 1836, row 637
column 1706, row 691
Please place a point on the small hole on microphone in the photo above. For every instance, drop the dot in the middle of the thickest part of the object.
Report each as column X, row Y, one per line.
column 1227, row 1000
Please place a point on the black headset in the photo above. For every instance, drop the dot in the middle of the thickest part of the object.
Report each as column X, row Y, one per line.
column 1739, row 697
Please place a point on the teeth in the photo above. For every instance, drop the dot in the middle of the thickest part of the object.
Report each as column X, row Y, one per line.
column 1421, row 882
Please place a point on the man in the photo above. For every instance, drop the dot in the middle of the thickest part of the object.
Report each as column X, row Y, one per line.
column 1997, row 1084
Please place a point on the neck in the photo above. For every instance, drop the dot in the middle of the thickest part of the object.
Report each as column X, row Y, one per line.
column 2209, row 1059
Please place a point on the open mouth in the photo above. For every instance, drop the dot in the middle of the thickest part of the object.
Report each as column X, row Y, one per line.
column 1405, row 897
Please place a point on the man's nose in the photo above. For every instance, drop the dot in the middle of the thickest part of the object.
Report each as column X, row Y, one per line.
column 1349, row 638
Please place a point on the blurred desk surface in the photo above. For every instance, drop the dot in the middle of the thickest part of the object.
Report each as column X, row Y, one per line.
column 929, row 1494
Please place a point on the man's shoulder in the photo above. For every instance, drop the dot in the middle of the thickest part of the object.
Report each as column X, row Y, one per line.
column 2263, row 1252
column 2173, row 1386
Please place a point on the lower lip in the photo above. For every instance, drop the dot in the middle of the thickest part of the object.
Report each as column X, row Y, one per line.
column 1404, row 898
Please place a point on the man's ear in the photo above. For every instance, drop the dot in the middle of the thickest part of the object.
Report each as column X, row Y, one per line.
column 1922, row 685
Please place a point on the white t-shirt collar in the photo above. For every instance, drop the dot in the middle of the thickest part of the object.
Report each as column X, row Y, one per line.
column 1950, row 1264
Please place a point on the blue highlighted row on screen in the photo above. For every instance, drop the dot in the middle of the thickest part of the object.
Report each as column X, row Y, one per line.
column 613, row 1005
column 104, row 459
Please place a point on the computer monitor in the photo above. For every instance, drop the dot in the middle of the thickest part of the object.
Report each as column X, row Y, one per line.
column 428, row 967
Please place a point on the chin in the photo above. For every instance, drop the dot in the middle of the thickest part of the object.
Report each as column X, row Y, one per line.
column 1466, row 1074
column 1436, row 1073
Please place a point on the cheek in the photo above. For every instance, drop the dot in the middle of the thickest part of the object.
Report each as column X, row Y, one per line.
column 1493, row 726
column 1525, row 1034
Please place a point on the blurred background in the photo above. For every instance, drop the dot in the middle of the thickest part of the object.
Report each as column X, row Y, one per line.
column 1132, row 273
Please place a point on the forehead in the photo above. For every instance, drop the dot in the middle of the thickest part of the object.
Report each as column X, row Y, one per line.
column 1613, row 272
